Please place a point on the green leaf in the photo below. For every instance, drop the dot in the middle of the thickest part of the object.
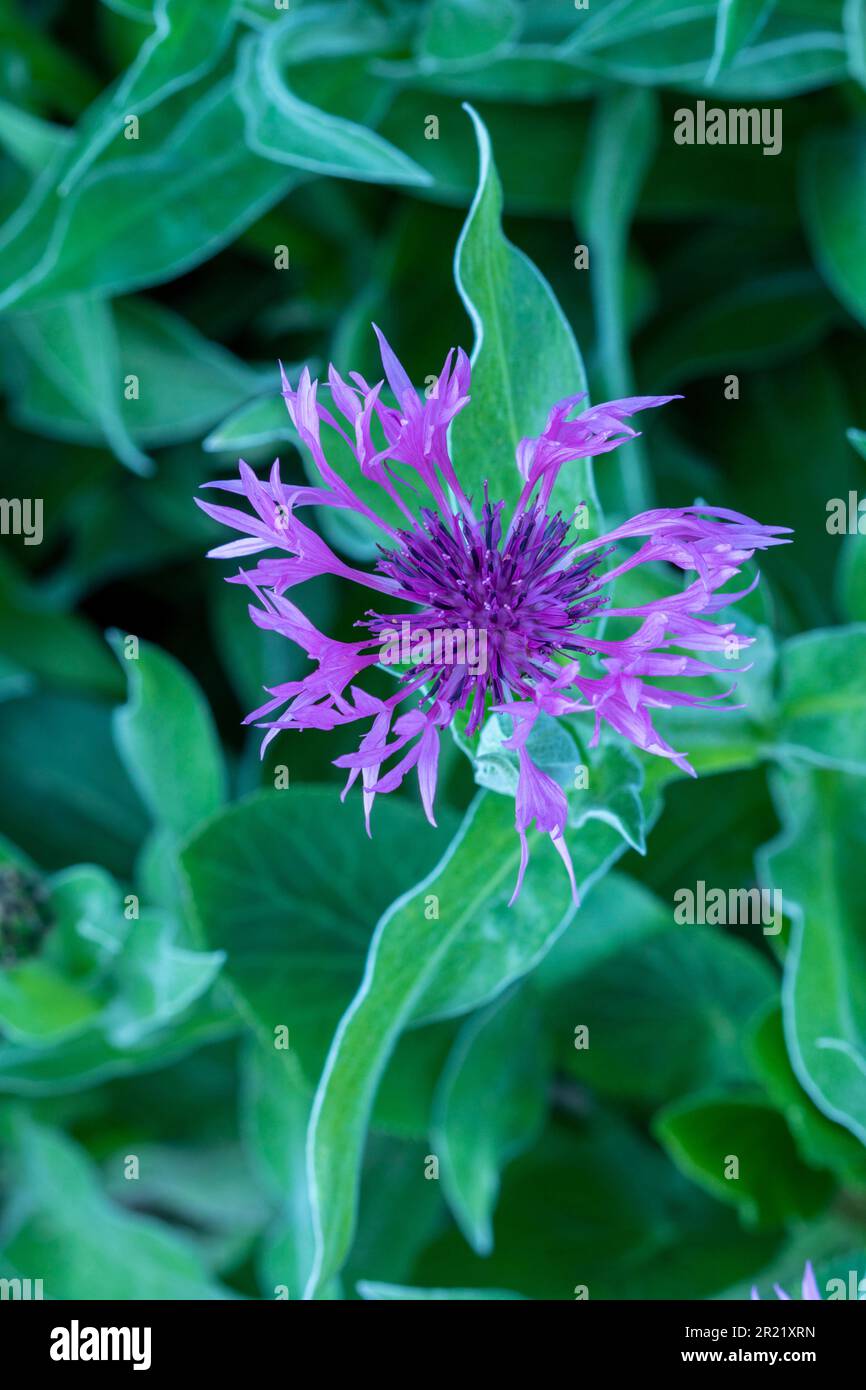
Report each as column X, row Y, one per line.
column 533, row 74
column 74, row 346
column 422, row 966
column 667, row 43
column 834, row 209
column 188, row 38
column 101, row 967
column 822, row 697
column 14, row 680
column 167, row 739
column 166, row 383
column 38, row 1006
column 854, row 22
column 490, row 1104
column 91, row 1060
column 618, row 913
column 386, row 1245
column 816, row 864
column 524, row 358
column 799, row 410
column 139, row 10
column 596, row 1209
column 256, row 425
column 551, row 744
column 770, row 1186
column 851, row 579
column 858, row 439
column 404, row 1101
column 158, row 979
column 105, row 548
column 821, row 1142
column 145, row 217
column 623, row 137
column 46, row 75
column 262, row 883
column 602, row 783
column 89, row 923
column 67, row 796
column 627, row 20
column 283, row 127
column 664, row 1015
column 725, row 739
column 463, row 30
column 58, row 649
column 388, row 1292
column 543, row 151
column 64, row 1231
column 222, row 1217
column 763, row 321
column 788, row 58
column 708, row 833
column 29, row 140
column 735, row 191
column 612, row 793
column 275, row 1110
column 736, row 24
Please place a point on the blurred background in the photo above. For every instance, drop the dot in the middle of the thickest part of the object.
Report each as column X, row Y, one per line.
column 192, row 190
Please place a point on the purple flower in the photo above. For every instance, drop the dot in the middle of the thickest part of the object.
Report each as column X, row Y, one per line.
column 810, row 1286
column 482, row 610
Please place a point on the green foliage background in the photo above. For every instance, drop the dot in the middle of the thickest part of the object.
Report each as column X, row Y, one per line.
column 166, row 912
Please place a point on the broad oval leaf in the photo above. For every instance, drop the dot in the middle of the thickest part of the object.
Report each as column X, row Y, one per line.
column 441, row 950
column 771, row 1185
column 664, row 1014
column 264, row 889
column 821, row 1142
column 817, row 864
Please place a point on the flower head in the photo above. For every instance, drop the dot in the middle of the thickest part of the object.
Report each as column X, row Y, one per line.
column 480, row 610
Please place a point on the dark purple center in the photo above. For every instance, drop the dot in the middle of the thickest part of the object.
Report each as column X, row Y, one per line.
column 495, row 611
